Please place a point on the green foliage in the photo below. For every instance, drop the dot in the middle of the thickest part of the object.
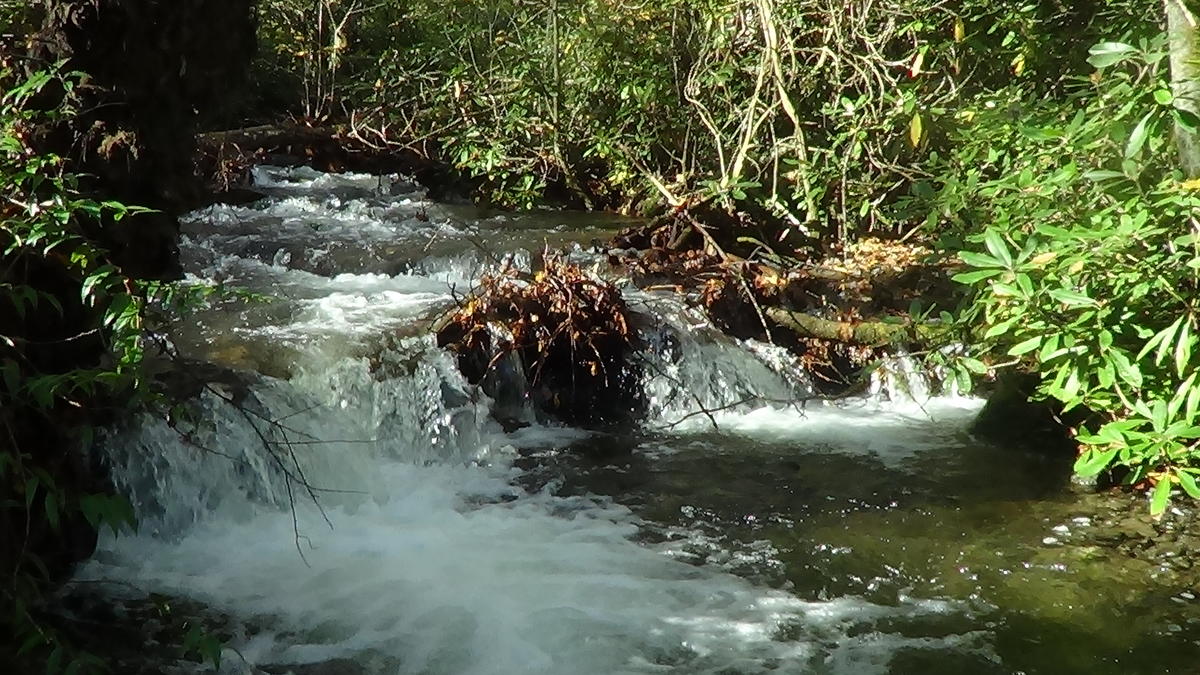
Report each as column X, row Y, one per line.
column 39, row 220
column 70, row 336
column 1087, row 269
column 202, row 643
column 74, row 330
column 813, row 117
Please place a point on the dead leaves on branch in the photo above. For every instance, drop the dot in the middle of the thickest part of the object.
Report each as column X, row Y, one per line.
column 567, row 331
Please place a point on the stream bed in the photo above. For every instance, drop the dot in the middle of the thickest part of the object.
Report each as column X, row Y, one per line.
column 777, row 534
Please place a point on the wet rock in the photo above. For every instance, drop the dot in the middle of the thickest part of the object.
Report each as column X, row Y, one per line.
column 1090, row 553
column 1010, row 417
column 137, row 634
column 1137, row 527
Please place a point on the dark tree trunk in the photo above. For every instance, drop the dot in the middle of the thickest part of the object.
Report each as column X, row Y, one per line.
column 153, row 66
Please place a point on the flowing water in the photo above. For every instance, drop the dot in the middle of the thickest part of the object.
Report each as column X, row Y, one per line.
column 773, row 535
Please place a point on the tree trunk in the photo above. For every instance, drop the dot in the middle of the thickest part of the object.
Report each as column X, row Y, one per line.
column 151, row 67
column 1185, row 78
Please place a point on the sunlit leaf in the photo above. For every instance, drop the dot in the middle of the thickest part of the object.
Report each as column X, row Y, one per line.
column 1137, row 139
column 1183, row 348
column 1161, row 496
column 1018, row 64
column 974, row 365
column 980, row 260
column 1103, row 174
column 1128, row 372
column 915, row 69
column 915, row 130
column 1188, row 482
column 1042, row 259
column 968, row 278
column 1109, row 53
column 1093, row 461
column 998, row 329
column 1071, row 298
column 1026, row 346
column 997, row 247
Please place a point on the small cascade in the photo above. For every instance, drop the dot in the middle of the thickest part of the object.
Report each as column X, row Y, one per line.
column 261, row 446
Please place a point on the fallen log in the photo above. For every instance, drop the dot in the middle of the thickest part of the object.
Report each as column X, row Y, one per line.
column 266, row 135
column 226, row 156
column 867, row 333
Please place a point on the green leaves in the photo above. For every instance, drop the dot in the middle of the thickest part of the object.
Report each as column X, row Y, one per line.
column 969, row 278
column 1026, row 346
column 1188, row 482
column 114, row 511
column 1137, row 139
column 1129, row 372
column 1177, row 340
column 993, row 265
column 980, row 260
column 1186, row 119
column 1160, row 496
column 1183, row 348
column 1086, row 274
column 1071, row 298
column 203, row 644
column 1107, row 54
column 1092, row 462
column 915, row 130
column 996, row 246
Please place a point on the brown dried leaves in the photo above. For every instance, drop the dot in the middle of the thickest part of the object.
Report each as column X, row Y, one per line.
column 570, row 329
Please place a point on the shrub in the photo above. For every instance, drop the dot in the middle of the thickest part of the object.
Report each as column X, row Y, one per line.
column 1089, row 272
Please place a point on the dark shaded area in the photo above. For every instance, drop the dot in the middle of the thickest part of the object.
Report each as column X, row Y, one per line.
column 127, row 128
column 1013, row 417
column 51, row 342
column 153, row 69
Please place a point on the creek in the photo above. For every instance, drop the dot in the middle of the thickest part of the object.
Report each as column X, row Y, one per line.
column 778, row 533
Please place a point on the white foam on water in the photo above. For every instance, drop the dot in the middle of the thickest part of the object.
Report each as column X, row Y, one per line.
column 307, row 179
column 305, row 221
column 889, row 430
column 438, row 585
column 433, row 575
column 435, row 561
column 689, row 366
